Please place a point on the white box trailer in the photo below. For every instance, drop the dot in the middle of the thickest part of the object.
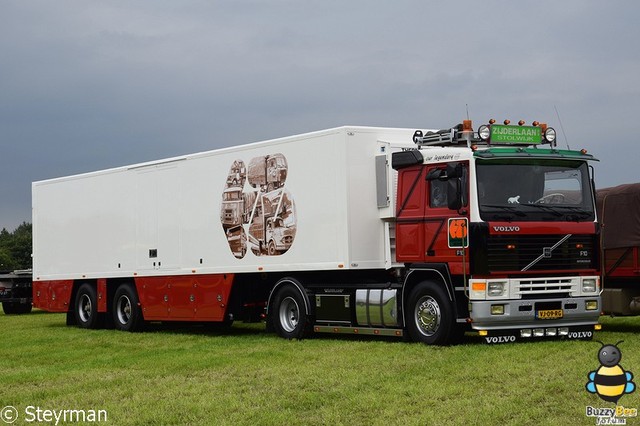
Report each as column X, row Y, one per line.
column 168, row 217
column 179, row 236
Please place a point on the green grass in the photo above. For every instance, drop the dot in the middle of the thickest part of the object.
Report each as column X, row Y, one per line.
column 192, row 375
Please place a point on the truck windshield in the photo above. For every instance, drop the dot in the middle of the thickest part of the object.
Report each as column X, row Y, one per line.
column 534, row 190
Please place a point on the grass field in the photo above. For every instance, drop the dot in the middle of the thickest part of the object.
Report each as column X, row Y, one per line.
column 192, row 375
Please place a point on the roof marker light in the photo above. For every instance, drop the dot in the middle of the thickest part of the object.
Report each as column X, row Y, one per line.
column 521, row 123
column 506, row 122
column 492, row 121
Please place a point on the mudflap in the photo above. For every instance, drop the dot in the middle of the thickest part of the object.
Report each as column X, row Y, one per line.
column 492, row 337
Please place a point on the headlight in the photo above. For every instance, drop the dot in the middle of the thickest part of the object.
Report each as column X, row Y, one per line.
column 496, row 288
column 589, row 285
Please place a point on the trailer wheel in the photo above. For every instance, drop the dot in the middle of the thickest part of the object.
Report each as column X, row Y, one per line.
column 15, row 308
column 127, row 315
column 288, row 314
column 429, row 314
column 85, row 308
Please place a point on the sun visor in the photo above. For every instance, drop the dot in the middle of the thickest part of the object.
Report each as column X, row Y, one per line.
column 402, row 159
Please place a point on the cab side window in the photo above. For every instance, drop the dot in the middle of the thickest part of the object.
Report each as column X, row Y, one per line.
column 438, row 194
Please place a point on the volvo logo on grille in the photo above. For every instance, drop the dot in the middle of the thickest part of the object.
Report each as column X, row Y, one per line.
column 546, row 252
column 506, row 228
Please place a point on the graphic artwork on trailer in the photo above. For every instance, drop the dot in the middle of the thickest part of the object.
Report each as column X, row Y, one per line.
column 255, row 195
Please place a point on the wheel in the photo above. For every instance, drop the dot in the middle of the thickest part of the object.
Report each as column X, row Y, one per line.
column 16, row 308
column 127, row 315
column 86, row 306
column 288, row 314
column 24, row 308
column 272, row 248
column 429, row 314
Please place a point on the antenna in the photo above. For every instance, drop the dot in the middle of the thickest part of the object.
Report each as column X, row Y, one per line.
column 467, row 105
column 562, row 127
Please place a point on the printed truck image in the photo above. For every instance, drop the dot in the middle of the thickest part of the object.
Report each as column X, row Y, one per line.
column 358, row 230
column 268, row 172
column 619, row 216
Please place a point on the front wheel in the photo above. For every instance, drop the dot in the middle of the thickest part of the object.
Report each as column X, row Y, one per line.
column 429, row 314
column 288, row 314
column 127, row 315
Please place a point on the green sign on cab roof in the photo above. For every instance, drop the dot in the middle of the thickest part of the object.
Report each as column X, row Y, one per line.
column 529, row 135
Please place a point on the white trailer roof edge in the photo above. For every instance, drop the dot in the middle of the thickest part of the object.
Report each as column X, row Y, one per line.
column 219, row 151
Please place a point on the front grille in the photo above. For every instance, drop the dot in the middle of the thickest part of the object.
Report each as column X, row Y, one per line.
column 534, row 287
column 517, row 252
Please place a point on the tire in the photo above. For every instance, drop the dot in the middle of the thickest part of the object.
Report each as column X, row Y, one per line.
column 288, row 314
column 429, row 315
column 25, row 308
column 126, row 312
column 16, row 308
column 85, row 307
column 272, row 248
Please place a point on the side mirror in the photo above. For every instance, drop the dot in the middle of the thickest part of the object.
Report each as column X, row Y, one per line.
column 435, row 174
column 454, row 194
column 454, row 170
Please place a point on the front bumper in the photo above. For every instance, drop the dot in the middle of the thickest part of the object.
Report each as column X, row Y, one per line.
column 522, row 314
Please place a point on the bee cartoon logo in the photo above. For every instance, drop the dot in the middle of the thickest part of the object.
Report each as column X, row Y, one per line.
column 610, row 381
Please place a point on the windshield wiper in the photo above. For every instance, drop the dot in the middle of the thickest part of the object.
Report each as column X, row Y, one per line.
column 576, row 214
column 510, row 209
column 544, row 207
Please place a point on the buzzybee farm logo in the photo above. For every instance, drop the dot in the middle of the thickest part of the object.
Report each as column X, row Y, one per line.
column 265, row 205
column 610, row 382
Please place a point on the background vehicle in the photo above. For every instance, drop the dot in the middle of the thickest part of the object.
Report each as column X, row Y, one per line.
column 619, row 216
column 376, row 231
column 15, row 292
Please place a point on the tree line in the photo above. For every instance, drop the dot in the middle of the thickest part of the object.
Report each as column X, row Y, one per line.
column 15, row 248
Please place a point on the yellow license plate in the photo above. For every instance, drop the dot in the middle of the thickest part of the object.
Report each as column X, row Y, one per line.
column 550, row 314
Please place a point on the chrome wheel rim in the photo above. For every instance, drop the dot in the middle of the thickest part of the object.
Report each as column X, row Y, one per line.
column 427, row 315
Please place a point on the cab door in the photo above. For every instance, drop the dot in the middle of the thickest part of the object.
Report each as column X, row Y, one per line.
column 446, row 226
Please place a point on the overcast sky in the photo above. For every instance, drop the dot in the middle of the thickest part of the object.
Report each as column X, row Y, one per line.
column 88, row 85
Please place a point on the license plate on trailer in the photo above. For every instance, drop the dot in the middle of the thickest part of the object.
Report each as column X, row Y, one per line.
column 550, row 314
